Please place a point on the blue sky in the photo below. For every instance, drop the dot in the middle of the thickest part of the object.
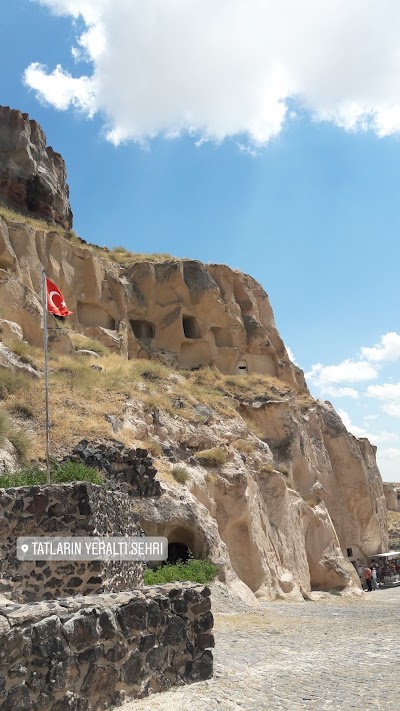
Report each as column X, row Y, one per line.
column 289, row 173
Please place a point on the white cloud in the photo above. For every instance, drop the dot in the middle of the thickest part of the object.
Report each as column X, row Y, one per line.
column 352, row 371
column 64, row 89
column 390, row 391
column 226, row 68
column 389, row 463
column 385, row 351
column 375, row 438
column 291, row 355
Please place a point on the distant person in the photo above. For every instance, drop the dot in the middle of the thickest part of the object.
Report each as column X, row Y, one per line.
column 374, row 578
column 367, row 577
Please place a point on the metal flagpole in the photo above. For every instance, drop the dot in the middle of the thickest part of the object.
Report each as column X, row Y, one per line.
column 46, row 373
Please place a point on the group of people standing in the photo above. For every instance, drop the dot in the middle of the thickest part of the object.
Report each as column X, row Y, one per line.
column 369, row 576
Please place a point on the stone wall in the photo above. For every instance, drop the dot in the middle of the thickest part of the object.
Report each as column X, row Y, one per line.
column 89, row 653
column 78, row 509
column 131, row 470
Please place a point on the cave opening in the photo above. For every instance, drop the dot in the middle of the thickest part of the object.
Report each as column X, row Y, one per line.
column 142, row 329
column 191, row 327
column 178, row 552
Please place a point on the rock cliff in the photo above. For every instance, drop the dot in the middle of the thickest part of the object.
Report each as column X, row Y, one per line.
column 180, row 312
column 32, row 176
column 291, row 500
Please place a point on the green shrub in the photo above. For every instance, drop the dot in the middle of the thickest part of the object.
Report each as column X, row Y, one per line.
column 180, row 474
column 195, row 571
column 60, row 474
column 214, row 457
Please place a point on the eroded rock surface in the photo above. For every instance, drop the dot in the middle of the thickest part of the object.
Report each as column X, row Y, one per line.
column 32, row 175
column 182, row 313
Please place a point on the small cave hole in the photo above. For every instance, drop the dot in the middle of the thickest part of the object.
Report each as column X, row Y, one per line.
column 191, row 327
column 142, row 329
column 242, row 367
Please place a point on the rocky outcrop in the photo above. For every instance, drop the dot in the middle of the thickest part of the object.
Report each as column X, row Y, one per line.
column 392, row 496
column 288, row 513
column 32, row 176
column 180, row 312
column 327, row 465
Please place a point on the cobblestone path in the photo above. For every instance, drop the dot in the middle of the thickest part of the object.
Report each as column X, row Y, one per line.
column 329, row 654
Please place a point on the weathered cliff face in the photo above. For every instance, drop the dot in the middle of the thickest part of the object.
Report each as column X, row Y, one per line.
column 284, row 513
column 181, row 312
column 303, row 502
column 328, row 466
column 32, row 176
column 392, row 496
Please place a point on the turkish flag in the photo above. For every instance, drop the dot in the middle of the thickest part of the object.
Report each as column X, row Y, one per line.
column 55, row 300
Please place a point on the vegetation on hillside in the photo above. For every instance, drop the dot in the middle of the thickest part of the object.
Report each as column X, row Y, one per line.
column 83, row 399
column 195, row 571
column 60, row 474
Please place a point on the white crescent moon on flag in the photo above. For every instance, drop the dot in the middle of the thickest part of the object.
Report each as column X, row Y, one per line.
column 51, row 299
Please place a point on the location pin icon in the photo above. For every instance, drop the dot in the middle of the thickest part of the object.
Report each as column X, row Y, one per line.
column 24, row 548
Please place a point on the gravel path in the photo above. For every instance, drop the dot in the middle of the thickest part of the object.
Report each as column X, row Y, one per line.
column 335, row 653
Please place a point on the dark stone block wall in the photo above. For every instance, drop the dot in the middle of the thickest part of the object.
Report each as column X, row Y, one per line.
column 78, row 509
column 130, row 470
column 89, row 653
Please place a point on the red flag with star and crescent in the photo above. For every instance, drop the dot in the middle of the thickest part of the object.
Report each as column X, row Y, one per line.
column 55, row 301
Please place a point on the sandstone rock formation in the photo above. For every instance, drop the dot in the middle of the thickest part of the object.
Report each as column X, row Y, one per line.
column 181, row 312
column 289, row 512
column 32, row 176
column 392, row 496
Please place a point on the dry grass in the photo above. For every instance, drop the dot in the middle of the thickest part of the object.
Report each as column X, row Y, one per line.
column 81, row 397
column 267, row 468
column 215, row 457
column 125, row 258
column 33, row 222
column 180, row 474
column 244, row 445
column 91, row 344
column 306, row 401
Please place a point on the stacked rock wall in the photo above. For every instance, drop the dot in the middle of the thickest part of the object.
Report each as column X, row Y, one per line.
column 79, row 509
column 130, row 469
column 90, row 653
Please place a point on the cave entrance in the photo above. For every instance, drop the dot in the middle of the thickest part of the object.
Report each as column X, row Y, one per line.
column 142, row 329
column 191, row 328
column 178, row 552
